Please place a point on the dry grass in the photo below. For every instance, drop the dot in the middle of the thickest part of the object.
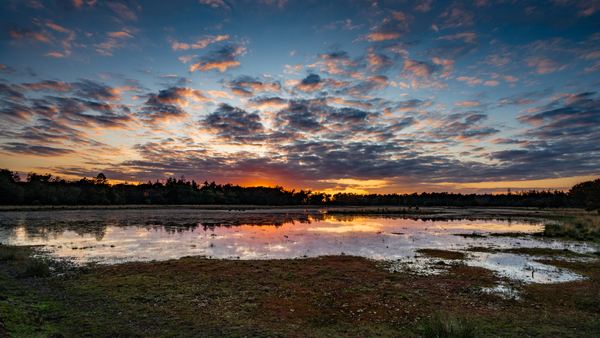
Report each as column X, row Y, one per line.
column 581, row 227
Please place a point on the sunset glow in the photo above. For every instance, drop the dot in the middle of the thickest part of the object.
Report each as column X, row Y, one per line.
column 336, row 96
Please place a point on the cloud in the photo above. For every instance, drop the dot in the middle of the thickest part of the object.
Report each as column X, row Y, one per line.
column 29, row 34
column 454, row 16
column 543, row 64
column 466, row 37
column 25, row 149
column 247, row 86
column 166, row 106
column 6, row 69
column 423, row 6
column 377, row 61
column 268, row 103
column 391, row 28
column 123, row 11
column 218, row 94
column 94, row 90
column 216, row 4
column 447, row 66
column 310, row 83
column 233, row 124
column 337, row 63
column 120, row 35
column 463, row 126
column 199, row 44
column 469, row 80
column 577, row 119
column 220, row 59
column 491, row 83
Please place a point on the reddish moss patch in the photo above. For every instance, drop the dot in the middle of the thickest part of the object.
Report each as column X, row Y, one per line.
column 442, row 253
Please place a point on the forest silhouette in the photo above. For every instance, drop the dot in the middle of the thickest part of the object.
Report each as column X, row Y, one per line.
column 46, row 189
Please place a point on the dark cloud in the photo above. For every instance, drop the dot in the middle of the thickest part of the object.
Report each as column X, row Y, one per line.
column 98, row 91
column 392, row 28
column 14, row 113
column 234, row 124
column 268, row 102
column 310, row 83
column 525, row 98
column 34, row 150
column 10, row 93
column 578, row 118
column 221, row 59
column 303, row 116
column 463, row 126
column 166, row 106
column 247, row 86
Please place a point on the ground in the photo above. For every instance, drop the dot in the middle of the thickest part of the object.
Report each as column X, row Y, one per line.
column 334, row 296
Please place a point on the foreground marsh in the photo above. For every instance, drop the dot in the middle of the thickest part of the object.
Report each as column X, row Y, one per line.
column 339, row 295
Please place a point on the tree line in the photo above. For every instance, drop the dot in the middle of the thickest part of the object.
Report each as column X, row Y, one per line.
column 45, row 189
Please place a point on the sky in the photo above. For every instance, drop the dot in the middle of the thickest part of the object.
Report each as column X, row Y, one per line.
column 355, row 96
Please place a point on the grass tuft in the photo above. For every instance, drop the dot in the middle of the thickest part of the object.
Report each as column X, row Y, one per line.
column 37, row 267
column 442, row 325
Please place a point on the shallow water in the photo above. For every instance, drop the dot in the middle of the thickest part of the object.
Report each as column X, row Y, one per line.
column 115, row 236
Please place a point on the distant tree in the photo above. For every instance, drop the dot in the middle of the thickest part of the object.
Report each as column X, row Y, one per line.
column 586, row 194
column 10, row 192
column 101, row 179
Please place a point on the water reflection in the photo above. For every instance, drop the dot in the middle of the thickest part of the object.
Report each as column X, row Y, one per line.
column 142, row 235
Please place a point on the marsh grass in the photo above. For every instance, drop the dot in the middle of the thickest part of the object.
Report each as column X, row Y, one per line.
column 581, row 227
column 442, row 325
column 37, row 267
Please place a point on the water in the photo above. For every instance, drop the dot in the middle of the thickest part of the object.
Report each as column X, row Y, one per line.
column 115, row 236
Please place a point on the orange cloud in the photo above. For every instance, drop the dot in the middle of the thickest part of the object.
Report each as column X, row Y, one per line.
column 200, row 44
column 470, row 80
column 381, row 36
column 120, row 35
column 219, row 94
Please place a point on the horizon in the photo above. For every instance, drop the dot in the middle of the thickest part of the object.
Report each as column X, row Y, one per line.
column 328, row 96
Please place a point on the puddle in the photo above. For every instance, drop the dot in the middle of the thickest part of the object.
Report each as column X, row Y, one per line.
column 117, row 236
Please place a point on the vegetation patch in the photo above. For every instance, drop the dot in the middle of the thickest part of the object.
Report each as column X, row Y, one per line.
column 510, row 234
column 472, row 235
column 585, row 227
column 481, row 249
column 543, row 252
column 442, row 324
column 445, row 254
column 341, row 296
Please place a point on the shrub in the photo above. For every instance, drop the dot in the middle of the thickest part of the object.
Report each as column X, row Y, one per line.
column 441, row 325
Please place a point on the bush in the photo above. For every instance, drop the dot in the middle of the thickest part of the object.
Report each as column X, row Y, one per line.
column 441, row 324
column 36, row 267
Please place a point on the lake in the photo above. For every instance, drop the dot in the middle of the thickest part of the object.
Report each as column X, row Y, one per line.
column 117, row 236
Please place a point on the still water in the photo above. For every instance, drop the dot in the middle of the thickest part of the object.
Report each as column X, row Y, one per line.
column 116, row 236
